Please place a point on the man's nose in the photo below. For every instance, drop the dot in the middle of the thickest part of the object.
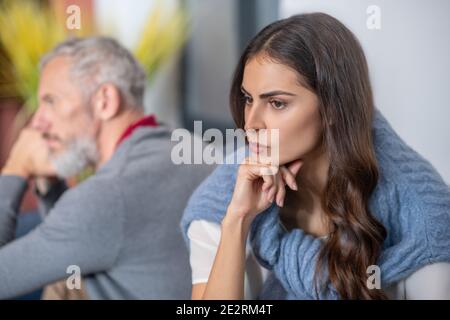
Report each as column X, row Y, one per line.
column 40, row 120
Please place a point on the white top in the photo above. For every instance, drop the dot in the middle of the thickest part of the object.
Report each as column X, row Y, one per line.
column 429, row 282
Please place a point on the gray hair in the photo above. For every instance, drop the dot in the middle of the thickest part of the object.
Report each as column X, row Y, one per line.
column 99, row 60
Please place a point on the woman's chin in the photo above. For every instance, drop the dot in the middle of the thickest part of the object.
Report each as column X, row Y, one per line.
column 288, row 160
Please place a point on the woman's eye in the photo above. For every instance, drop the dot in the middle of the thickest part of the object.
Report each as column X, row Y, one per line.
column 248, row 100
column 277, row 104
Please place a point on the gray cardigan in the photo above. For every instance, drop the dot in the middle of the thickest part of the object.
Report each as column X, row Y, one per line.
column 120, row 226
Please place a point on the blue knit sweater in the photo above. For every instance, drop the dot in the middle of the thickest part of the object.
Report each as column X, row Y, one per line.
column 411, row 200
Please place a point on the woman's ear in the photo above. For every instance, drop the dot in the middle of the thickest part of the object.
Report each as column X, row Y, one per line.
column 107, row 101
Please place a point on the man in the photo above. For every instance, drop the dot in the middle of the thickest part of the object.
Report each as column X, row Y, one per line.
column 119, row 228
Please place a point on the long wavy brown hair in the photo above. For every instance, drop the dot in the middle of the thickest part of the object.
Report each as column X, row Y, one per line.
column 331, row 61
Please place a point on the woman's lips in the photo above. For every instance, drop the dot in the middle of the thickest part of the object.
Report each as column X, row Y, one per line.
column 257, row 148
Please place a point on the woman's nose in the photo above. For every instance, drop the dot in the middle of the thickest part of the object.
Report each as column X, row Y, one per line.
column 254, row 118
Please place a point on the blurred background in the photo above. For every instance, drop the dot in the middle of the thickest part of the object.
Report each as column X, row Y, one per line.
column 189, row 49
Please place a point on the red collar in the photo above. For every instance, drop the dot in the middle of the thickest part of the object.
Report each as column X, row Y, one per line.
column 147, row 121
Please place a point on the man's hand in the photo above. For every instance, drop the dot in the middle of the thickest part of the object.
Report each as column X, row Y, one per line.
column 29, row 156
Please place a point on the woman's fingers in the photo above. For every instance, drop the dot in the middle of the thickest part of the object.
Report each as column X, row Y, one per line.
column 260, row 169
column 257, row 170
column 274, row 180
column 277, row 191
column 281, row 192
column 294, row 167
column 289, row 173
column 266, row 185
column 288, row 177
column 271, row 193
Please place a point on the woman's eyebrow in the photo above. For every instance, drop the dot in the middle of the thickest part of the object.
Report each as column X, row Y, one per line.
column 245, row 91
column 275, row 93
column 270, row 94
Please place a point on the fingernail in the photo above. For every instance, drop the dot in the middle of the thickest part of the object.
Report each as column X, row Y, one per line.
column 294, row 186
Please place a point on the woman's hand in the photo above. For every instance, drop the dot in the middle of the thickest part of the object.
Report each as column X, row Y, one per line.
column 258, row 185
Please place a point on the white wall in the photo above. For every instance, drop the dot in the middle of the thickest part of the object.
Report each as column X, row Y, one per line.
column 212, row 57
column 409, row 61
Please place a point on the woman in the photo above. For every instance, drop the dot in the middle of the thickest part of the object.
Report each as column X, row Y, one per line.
column 349, row 196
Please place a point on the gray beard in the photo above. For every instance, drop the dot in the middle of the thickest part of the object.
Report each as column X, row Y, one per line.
column 80, row 153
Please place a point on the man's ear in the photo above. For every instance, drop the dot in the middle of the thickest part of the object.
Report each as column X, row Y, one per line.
column 107, row 101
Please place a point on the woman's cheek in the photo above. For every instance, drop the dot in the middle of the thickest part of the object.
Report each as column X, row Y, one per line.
column 290, row 148
column 296, row 143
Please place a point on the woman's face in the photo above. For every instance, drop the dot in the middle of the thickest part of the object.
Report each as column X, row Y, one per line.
column 276, row 100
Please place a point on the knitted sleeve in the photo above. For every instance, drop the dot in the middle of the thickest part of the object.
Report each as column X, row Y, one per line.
column 211, row 198
column 291, row 256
